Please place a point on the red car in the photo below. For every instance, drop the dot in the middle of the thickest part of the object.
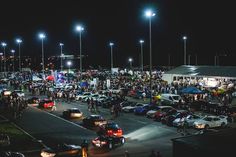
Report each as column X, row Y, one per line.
column 159, row 114
column 46, row 104
column 110, row 129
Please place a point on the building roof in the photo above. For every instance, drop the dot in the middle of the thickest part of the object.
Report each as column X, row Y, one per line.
column 221, row 141
column 214, row 71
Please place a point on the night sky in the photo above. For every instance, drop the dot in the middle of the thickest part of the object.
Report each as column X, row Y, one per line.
column 209, row 25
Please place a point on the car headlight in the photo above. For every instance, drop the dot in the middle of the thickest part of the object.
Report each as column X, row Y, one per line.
column 200, row 126
column 47, row 154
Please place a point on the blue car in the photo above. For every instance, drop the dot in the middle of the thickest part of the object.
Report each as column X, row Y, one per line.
column 143, row 110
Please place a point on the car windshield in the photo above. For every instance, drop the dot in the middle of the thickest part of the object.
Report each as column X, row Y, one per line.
column 75, row 111
column 207, row 119
column 47, row 101
column 112, row 126
column 97, row 117
column 175, row 97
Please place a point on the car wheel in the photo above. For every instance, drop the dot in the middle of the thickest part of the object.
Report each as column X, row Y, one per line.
column 223, row 125
column 110, row 145
column 206, row 127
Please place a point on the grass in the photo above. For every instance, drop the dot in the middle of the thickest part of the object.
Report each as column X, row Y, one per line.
column 19, row 140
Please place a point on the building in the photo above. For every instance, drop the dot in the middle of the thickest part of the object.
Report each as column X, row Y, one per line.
column 211, row 74
column 216, row 144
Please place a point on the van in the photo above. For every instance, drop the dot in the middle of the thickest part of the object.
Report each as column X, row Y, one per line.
column 170, row 99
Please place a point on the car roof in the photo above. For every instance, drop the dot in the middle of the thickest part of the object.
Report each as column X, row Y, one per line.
column 73, row 108
column 165, row 107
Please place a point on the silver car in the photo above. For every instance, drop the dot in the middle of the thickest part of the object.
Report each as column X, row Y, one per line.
column 190, row 119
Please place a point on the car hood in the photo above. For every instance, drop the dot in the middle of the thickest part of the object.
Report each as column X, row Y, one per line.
column 151, row 112
column 200, row 122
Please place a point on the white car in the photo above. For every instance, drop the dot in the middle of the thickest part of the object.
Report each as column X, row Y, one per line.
column 19, row 93
column 151, row 113
column 132, row 107
column 85, row 94
column 190, row 119
column 211, row 122
column 92, row 96
column 102, row 98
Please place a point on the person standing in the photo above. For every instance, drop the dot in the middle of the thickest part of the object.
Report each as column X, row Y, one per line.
column 127, row 153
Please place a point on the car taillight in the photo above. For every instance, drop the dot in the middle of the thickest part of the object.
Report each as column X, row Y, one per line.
column 103, row 142
column 119, row 132
column 109, row 132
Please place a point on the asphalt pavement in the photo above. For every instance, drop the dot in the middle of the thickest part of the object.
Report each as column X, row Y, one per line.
column 142, row 134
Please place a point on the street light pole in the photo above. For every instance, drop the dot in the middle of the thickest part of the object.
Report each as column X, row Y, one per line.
column 111, row 45
column 19, row 41
column 13, row 53
column 130, row 62
column 189, row 59
column 42, row 37
column 79, row 28
column 4, row 56
column 150, row 14
column 61, row 45
column 141, row 48
column 185, row 39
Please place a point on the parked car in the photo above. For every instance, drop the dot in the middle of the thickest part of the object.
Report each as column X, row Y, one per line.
column 151, row 113
column 159, row 114
column 72, row 113
column 211, row 122
column 11, row 154
column 85, row 94
column 34, row 101
column 144, row 109
column 108, row 141
column 19, row 93
column 110, row 129
column 94, row 121
column 131, row 107
column 92, row 96
column 189, row 119
column 102, row 98
column 62, row 150
column 169, row 118
column 170, row 99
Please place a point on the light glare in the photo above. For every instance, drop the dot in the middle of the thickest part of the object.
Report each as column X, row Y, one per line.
column 141, row 41
column 42, row 35
column 149, row 13
column 111, row 44
column 79, row 28
column 69, row 63
column 18, row 41
column 3, row 44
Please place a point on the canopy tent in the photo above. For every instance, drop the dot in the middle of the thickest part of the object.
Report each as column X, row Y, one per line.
column 191, row 90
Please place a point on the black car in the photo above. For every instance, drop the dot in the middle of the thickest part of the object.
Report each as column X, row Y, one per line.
column 94, row 120
column 110, row 129
column 108, row 141
column 62, row 150
column 34, row 101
